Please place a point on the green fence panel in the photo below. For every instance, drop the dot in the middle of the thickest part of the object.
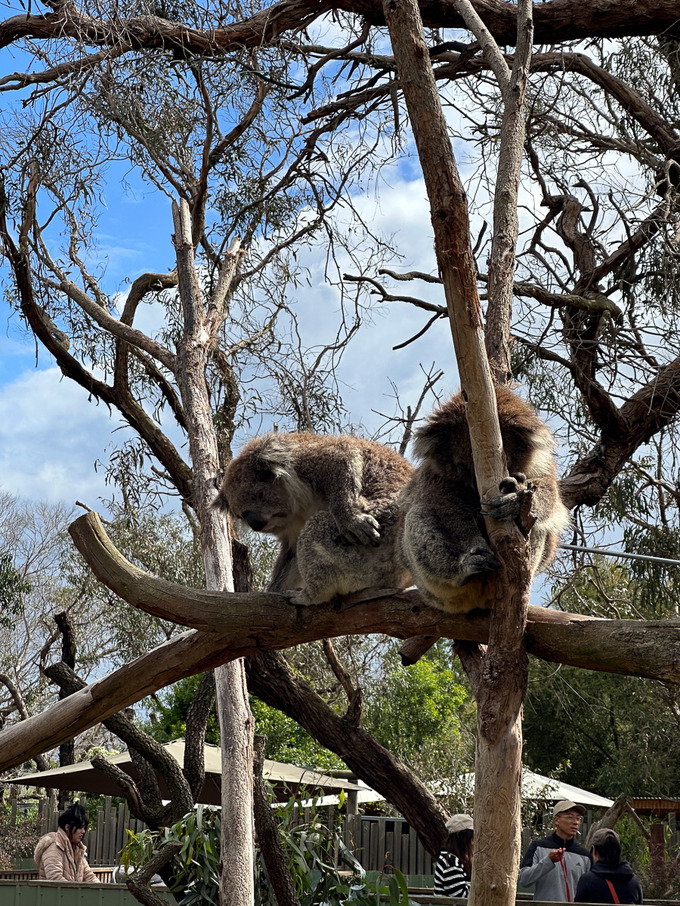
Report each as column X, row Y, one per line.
column 52, row 893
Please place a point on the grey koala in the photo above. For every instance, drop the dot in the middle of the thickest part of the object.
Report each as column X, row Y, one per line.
column 332, row 504
column 443, row 540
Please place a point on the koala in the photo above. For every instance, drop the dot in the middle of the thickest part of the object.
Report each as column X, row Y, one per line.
column 332, row 504
column 443, row 540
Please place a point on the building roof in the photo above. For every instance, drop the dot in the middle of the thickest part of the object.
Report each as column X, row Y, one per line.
column 83, row 777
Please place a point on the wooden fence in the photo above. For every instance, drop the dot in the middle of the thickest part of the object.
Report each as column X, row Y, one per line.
column 106, row 834
column 379, row 844
column 382, row 843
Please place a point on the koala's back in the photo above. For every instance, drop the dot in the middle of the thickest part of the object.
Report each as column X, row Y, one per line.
column 332, row 501
column 444, row 541
column 444, row 441
column 377, row 469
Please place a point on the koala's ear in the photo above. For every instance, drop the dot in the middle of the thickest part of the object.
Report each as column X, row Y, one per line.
column 273, row 460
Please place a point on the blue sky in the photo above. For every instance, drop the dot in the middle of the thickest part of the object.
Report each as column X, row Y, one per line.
column 52, row 435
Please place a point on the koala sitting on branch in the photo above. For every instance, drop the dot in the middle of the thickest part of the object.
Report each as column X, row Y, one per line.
column 332, row 504
column 444, row 542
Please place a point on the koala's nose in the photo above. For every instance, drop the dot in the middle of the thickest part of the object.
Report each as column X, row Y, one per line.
column 254, row 520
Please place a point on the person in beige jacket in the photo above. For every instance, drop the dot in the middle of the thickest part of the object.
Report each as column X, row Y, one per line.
column 60, row 855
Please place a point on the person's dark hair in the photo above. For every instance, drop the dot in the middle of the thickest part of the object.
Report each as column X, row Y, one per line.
column 608, row 846
column 75, row 816
column 460, row 844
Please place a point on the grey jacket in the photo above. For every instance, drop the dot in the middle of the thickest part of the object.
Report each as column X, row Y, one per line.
column 554, row 882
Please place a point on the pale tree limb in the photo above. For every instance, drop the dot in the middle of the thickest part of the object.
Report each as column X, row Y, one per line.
column 237, row 625
column 505, row 217
column 626, row 647
column 505, row 665
column 233, row 708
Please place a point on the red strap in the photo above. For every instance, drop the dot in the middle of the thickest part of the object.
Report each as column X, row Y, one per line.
column 613, row 892
column 566, row 880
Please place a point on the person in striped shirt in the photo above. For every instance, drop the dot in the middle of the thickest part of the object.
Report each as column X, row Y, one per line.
column 454, row 864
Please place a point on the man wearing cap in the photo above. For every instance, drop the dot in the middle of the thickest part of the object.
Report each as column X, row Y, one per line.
column 554, row 864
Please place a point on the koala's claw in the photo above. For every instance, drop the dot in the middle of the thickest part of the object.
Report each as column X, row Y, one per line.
column 301, row 597
column 514, row 499
column 363, row 529
column 477, row 562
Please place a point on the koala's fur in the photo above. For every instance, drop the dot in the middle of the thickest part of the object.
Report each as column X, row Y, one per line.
column 331, row 502
column 443, row 541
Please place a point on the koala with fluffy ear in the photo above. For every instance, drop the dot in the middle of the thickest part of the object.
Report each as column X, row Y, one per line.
column 331, row 502
column 443, row 541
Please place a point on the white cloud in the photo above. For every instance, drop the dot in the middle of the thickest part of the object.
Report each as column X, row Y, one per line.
column 51, row 435
column 50, row 438
column 401, row 214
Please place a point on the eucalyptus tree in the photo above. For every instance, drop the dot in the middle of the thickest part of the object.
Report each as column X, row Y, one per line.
column 259, row 127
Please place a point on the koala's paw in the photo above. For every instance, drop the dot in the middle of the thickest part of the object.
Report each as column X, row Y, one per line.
column 514, row 500
column 476, row 562
column 360, row 528
column 301, row 597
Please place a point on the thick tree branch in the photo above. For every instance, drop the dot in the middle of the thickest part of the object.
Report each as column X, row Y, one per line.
column 555, row 22
column 244, row 624
column 272, row 680
column 648, row 411
column 139, row 883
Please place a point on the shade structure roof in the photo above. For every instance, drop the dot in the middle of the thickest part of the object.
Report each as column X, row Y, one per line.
column 547, row 789
column 83, row 777
column 534, row 786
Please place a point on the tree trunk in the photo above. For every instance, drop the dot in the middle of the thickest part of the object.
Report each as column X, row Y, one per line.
column 503, row 675
column 236, row 721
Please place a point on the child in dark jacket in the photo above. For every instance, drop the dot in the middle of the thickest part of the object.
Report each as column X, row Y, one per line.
column 611, row 879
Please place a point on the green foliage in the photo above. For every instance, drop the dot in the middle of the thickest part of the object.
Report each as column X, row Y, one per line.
column 616, row 734
column 316, row 855
column 655, row 586
column 320, row 866
column 323, row 870
column 170, row 709
column 12, row 589
column 610, row 730
column 426, row 705
column 288, row 742
column 195, row 868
